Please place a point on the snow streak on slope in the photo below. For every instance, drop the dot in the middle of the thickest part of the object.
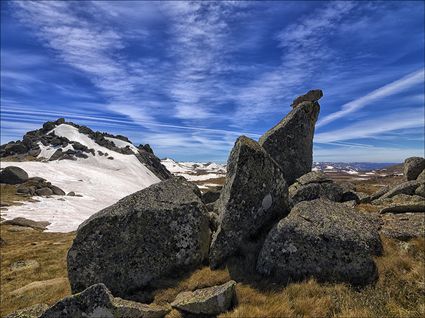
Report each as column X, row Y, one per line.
column 100, row 181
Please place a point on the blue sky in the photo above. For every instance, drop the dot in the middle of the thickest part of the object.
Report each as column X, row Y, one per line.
column 189, row 77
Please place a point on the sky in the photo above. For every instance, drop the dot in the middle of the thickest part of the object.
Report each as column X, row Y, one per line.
column 190, row 77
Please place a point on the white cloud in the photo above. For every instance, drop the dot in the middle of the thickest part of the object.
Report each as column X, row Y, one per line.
column 409, row 118
column 392, row 88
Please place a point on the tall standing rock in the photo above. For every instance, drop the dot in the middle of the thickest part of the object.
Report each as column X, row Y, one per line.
column 290, row 142
column 146, row 235
column 255, row 193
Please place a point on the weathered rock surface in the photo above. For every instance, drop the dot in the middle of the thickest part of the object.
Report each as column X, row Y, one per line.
column 13, row 175
column 207, row 301
column 210, row 196
column 413, row 166
column 290, row 142
column 322, row 239
column 312, row 191
column 403, row 203
column 408, row 188
column 20, row 221
column 420, row 190
column 313, row 177
column 33, row 311
column 254, row 194
column 146, row 235
column 403, row 226
column 421, row 177
column 98, row 302
column 311, row 96
column 379, row 193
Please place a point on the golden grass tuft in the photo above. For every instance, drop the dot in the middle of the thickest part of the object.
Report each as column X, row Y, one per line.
column 18, row 289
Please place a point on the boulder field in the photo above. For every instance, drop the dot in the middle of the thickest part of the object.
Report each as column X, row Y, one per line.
column 167, row 229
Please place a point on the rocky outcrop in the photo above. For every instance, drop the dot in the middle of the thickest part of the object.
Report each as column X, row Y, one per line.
column 207, row 301
column 146, row 235
column 30, row 146
column 153, row 163
column 19, row 221
column 13, row 175
column 97, row 301
column 402, row 203
column 407, row 188
column 413, row 166
column 311, row 96
column 322, row 239
column 254, row 194
column 39, row 186
column 290, row 142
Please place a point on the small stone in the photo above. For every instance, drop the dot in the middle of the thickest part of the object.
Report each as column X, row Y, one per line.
column 44, row 192
column 207, row 301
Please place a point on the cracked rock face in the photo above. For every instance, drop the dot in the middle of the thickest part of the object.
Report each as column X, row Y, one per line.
column 322, row 239
column 146, row 235
column 254, row 194
column 290, row 142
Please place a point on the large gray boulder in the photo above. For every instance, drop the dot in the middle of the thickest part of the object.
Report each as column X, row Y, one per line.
column 13, row 175
column 207, row 301
column 290, row 142
column 325, row 240
column 98, row 302
column 413, row 166
column 254, row 194
column 146, row 235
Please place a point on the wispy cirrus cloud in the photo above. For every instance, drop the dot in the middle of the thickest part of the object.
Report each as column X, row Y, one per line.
column 412, row 79
column 88, row 46
column 409, row 118
column 304, row 53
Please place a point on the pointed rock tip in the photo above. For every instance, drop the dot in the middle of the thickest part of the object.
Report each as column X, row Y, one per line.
column 311, row 96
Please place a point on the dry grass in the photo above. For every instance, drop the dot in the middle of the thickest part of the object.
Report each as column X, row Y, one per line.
column 49, row 250
column 399, row 292
column 9, row 196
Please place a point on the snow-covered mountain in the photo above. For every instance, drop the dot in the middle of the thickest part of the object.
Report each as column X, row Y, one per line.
column 101, row 175
column 195, row 171
column 198, row 171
